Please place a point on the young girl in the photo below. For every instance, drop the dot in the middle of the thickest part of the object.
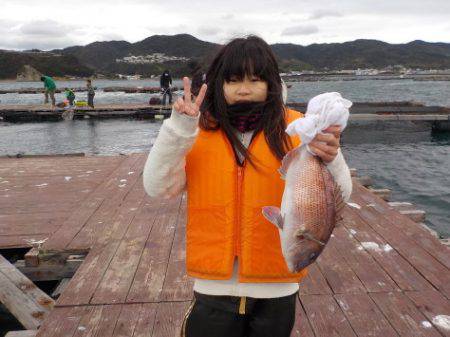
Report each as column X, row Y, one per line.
column 225, row 148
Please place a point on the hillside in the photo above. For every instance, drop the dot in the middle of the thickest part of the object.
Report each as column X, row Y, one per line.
column 11, row 62
column 153, row 54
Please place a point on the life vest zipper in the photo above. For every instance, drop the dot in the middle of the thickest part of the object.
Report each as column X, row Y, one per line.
column 238, row 211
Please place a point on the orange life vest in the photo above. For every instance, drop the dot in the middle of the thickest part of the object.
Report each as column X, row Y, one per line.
column 224, row 210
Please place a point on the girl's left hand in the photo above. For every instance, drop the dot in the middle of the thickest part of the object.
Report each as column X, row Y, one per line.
column 326, row 144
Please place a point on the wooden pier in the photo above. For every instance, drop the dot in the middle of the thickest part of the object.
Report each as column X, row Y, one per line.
column 381, row 274
column 13, row 113
column 437, row 116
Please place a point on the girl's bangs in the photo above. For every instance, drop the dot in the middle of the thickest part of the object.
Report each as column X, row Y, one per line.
column 241, row 60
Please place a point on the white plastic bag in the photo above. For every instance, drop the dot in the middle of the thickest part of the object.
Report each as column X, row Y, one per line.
column 323, row 110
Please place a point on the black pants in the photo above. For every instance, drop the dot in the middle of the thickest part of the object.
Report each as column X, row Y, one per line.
column 91, row 100
column 167, row 91
column 229, row 316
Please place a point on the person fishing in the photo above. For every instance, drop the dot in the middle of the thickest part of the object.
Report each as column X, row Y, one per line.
column 49, row 87
column 165, row 82
column 70, row 95
column 224, row 149
column 91, row 93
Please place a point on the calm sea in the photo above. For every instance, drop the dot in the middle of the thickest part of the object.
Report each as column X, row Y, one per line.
column 411, row 161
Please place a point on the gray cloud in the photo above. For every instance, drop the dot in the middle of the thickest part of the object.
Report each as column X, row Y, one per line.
column 323, row 13
column 300, row 30
column 47, row 28
column 51, row 24
column 208, row 30
column 40, row 34
column 227, row 17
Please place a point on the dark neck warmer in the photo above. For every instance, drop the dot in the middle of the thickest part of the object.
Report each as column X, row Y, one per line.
column 245, row 116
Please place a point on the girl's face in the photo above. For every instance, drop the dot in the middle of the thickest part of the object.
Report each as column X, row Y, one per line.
column 247, row 89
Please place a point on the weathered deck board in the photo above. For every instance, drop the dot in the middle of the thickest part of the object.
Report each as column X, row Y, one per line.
column 395, row 265
column 434, row 271
column 177, row 285
column 151, row 271
column 118, row 278
column 326, row 317
column 404, row 224
column 380, row 275
column 369, row 272
column 28, row 186
column 64, row 236
column 433, row 305
column 364, row 316
column 403, row 315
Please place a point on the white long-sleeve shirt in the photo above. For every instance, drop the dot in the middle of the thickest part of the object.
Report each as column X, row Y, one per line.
column 164, row 177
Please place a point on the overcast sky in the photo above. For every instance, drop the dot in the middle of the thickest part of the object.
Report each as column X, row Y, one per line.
column 49, row 24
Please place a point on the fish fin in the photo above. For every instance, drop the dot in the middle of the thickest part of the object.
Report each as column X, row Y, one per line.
column 339, row 204
column 273, row 214
column 287, row 160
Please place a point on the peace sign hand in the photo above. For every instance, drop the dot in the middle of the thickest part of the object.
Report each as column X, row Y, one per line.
column 186, row 105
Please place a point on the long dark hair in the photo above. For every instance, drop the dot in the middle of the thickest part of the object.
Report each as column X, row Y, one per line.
column 249, row 56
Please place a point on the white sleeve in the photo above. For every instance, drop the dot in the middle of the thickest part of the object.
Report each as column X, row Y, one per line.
column 164, row 171
column 341, row 174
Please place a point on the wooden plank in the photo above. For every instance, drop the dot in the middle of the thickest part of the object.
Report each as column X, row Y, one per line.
column 83, row 284
column 89, row 323
column 127, row 321
column 435, row 272
column 421, row 236
column 63, row 322
column 129, row 207
column 29, row 304
column 364, row 316
column 369, row 272
column 118, row 277
column 150, row 274
column 99, row 321
column 302, row 327
column 325, row 316
column 314, row 283
column 340, row 277
column 146, row 321
column 169, row 318
column 177, row 285
column 435, row 307
column 60, row 288
column 397, row 267
column 401, row 313
column 70, row 228
column 115, row 190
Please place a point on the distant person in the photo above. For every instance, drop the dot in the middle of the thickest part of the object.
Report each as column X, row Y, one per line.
column 198, row 77
column 165, row 82
column 91, row 93
column 70, row 95
column 50, row 87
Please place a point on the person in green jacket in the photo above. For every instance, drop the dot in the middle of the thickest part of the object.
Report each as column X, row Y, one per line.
column 50, row 87
column 70, row 95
